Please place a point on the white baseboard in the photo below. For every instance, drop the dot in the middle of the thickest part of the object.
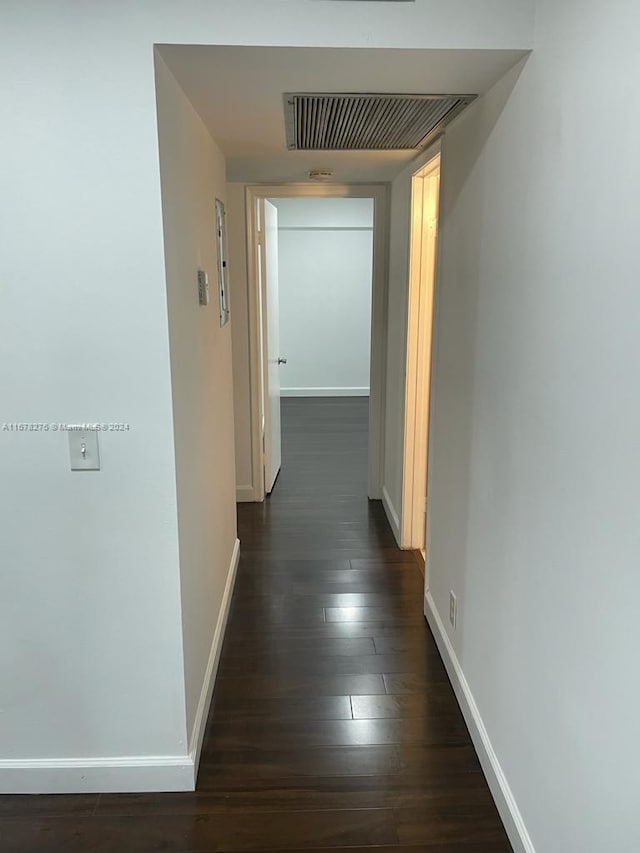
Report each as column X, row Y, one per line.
column 497, row 781
column 245, row 494
column 324, row 392
column 125, row 774
column 202, row 711
column 392, row 515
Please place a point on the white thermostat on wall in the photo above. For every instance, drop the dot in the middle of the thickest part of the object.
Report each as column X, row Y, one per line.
column 203, row 287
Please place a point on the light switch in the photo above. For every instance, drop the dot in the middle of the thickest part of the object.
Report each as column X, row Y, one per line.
column 83, row 449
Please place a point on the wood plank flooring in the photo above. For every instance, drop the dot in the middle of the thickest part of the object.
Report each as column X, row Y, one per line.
column 333, row 725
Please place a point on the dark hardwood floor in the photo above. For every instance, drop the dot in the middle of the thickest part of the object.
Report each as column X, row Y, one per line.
column 333, row 724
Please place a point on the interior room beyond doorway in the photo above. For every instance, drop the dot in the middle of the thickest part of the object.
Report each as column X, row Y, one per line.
column 325, row 251
column 333, row 266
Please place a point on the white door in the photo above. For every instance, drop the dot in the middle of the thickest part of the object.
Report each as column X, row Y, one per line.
column 271, row 354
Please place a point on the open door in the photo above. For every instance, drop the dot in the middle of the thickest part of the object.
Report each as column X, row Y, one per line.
column 268, row 241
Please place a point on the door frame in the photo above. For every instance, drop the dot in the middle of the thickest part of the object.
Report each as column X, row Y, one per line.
column 379, row 294
column 423, row 252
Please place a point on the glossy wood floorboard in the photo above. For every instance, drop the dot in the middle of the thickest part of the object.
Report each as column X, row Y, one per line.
column 333, row 724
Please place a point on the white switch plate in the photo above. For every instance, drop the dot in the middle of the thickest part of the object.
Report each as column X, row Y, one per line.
column 83, row 449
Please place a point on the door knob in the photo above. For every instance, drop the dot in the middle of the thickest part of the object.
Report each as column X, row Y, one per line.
column 282, row 361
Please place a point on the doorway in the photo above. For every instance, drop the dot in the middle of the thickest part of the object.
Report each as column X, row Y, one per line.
column 269, row 364
column 425, row 193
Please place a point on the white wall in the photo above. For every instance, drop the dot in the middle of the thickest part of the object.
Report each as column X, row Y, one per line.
column 192, row 173
column 325, row 252
column 90, row 633
column 536, row 418
column 91, row 642
column 330, row 213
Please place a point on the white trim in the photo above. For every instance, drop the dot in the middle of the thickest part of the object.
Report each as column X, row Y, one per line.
column 245, row 494
column 379, row 340
column 423, row 244
column 500, row 790
column 324, row 392
column 256, row 414
column 129, row 773
column 392, row 513
column 433, row 379
column 378, row 362
column 125, row 774
column 200, row 721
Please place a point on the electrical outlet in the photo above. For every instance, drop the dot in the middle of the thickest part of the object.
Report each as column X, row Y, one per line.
column 453, row 610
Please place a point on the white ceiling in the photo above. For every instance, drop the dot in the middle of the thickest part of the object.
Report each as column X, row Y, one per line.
column 238, row 93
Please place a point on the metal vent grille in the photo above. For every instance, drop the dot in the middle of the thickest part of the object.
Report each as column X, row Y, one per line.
column 374, row 122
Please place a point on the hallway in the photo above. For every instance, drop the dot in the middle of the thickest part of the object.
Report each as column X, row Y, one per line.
column 333, row 724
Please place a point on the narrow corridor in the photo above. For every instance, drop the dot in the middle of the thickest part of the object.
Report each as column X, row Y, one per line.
column 333, row 724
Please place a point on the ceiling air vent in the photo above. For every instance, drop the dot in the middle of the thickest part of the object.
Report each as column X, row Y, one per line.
column 326, row 122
